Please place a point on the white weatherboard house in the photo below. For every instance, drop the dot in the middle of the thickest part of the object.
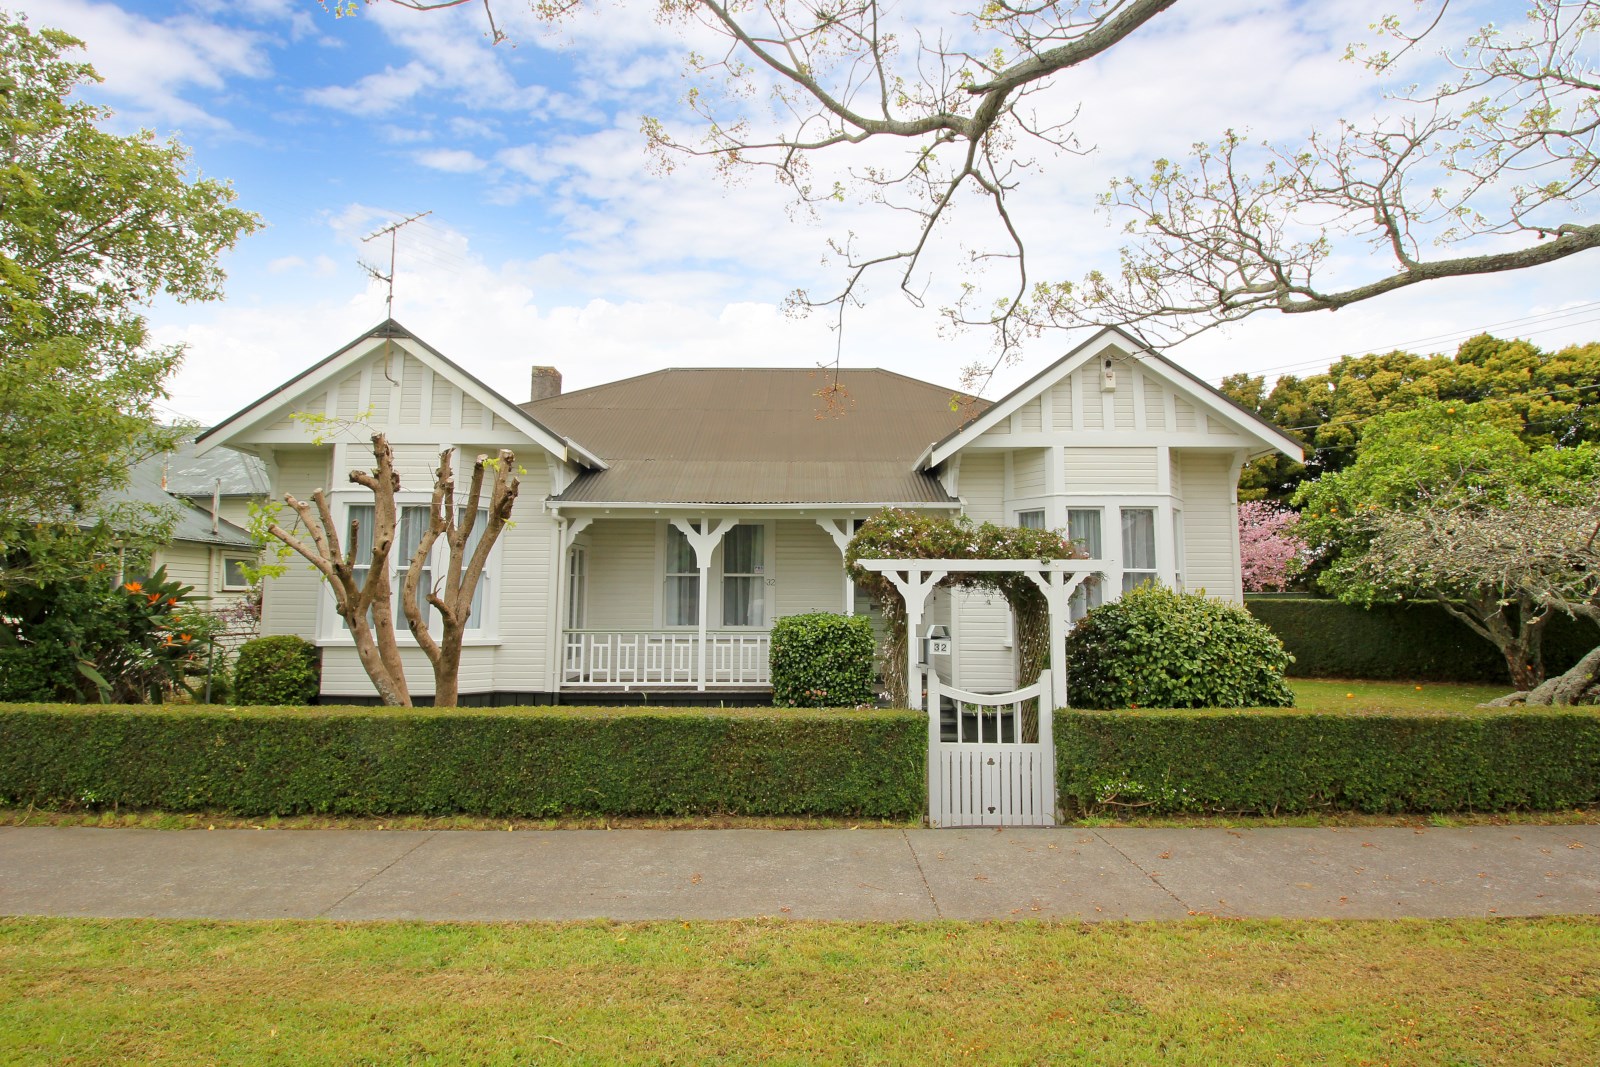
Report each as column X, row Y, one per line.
column 666, row 520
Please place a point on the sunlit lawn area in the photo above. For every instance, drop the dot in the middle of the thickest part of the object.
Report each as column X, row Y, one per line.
column 1204, row 992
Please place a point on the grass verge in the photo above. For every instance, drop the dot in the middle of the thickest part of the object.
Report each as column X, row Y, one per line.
column 1203, row 992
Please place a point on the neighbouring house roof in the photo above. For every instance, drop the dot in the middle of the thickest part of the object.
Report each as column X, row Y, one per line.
column 239, row 473
column 193, row 523
column 756, row 436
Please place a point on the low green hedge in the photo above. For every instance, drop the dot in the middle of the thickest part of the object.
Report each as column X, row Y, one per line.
column 1415, row 641
column 531, row 762
column 1281, row 762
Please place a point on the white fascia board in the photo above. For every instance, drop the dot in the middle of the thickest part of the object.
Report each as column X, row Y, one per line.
column 588, row 506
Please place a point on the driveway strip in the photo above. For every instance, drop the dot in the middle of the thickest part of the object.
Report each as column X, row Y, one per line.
column 891, row 875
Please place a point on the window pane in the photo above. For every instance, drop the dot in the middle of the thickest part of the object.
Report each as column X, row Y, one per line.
column 1031, row 520
column 742, row 603
column 577, row 587
column 480, row 524
column 1139, row 538
column 233, row 572
column 1083, row 526
column 413, row 524
column 681, row 600
column 1085, row 597
column 359, row 533
column 680, row 553
column 741, row 550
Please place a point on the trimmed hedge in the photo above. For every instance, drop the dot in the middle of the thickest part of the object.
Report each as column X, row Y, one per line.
column 530, row 762
column 282, row 670
column 822, row 660
column 1274, row 762
column 1413, row 641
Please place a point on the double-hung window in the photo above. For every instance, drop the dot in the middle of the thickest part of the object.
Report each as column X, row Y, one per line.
column 743, row 576
column 1138, row 547
column 1083, row 526
column 411, row 526
column 680, row 603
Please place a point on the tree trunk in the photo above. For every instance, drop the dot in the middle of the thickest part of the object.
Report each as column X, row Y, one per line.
column 893, row 663
column 1031, row 615
column 1577, row 686
column 1521, row 641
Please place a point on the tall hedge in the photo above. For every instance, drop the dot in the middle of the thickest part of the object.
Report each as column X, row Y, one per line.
column 1333, row 640
column 530, row 762
column 1285, row 762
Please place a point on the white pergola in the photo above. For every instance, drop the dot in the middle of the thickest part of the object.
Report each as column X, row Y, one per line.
column 1058, row 579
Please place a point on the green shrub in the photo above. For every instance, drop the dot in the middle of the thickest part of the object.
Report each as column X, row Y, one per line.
column 524, row 762
column 1155, row 648
column 1414, row 641
column 822, row 660
column 282, row 670
column 1288, row 762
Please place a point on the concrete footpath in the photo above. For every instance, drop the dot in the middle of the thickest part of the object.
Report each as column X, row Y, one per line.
column 1064, row 873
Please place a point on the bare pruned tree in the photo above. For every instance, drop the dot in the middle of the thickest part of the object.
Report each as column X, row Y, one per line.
column 1493, row 164
column 360, row 581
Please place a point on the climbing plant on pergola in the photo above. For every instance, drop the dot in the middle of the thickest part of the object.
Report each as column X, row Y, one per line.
column 894, row 534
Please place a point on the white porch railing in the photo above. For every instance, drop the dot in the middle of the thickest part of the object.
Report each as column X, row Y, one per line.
column 663, row 658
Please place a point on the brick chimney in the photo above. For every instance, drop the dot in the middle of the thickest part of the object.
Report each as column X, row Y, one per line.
column 546, row 384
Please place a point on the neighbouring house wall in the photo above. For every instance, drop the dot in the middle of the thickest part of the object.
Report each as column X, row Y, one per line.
column 1210, row 522
column 186, row 562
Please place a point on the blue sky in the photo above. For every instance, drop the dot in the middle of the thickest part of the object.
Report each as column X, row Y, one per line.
column 551, row 241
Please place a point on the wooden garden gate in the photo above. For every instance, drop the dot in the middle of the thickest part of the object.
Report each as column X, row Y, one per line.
column 991, row 759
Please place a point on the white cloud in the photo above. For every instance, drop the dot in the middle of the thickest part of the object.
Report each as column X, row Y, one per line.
column 149, row 65
column 376, row 94
column 451, row 160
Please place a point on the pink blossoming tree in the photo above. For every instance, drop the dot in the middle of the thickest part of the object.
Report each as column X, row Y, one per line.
column 1268, row 544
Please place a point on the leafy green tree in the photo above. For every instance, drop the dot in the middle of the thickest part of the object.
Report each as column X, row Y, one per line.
column 1549, row 398
column 93, row 226
column 1452, row 458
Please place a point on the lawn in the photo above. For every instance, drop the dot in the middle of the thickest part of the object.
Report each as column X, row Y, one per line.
column 1338, row 697
column 1202, row 992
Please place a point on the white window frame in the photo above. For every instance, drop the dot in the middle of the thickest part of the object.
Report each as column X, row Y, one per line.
column 482, row 628
column 1044, row 518
column 667, row 575
column 577, row 587
column 760, row 576
column 234, row 557
column 1144, row 574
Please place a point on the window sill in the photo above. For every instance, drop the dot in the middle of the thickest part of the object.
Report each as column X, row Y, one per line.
column 408, row 642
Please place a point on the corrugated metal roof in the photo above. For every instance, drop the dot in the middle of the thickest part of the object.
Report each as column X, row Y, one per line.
column 756, row 436
column 190, row 475
column 191, row 523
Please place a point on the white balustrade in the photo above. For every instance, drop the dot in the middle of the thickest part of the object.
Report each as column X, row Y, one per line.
column 663, row 658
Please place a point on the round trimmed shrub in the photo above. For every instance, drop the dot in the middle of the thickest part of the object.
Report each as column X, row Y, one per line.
column 1155, row 648
column 822, row 660
column 281, row 670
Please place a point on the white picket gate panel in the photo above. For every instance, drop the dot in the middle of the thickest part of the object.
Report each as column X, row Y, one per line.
column 988, row 775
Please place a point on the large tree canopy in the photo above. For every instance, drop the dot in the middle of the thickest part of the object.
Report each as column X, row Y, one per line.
column 924, row 113
column 1387, row 524
column 92, row 227
column 1549, row 398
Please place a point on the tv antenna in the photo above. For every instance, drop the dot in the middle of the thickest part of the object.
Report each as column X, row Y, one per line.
column 393, row 230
